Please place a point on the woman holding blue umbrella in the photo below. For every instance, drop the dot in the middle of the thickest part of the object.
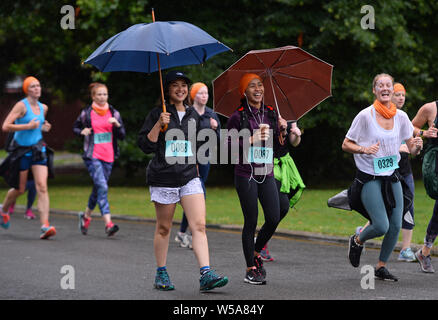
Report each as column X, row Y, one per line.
column 173, row 178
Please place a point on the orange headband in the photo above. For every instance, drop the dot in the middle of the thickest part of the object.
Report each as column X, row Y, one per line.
column 399, row 87
column 245, row 80
column 195, row 88
column 27, row 82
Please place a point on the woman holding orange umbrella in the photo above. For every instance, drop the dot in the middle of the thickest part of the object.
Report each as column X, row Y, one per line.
column 253, row 175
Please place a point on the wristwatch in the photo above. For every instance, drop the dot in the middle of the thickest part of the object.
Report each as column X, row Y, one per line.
column 421, row 133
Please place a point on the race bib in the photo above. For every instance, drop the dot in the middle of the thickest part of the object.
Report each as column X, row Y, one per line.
column 260, row 155
column 385, row 164
column 178, row 148
column 102, row 137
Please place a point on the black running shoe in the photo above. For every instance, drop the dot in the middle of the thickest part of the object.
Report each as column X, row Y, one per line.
column 111, row 230
column 354, row 252
column 258, row 263
column 383, row 274
column 254, row 277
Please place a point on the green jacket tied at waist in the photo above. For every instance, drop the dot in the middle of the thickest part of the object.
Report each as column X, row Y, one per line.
column 287, row 173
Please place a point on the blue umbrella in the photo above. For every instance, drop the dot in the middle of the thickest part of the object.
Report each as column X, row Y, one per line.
column 149, row 47
column 177, row 43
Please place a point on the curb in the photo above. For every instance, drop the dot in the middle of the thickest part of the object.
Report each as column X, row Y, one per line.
column 299, row 235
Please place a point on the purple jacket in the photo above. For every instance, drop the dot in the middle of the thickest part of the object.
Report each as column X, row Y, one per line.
column 255, row 117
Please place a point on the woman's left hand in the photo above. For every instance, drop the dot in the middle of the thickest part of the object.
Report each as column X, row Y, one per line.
column 46, row 126
column 213, row 124
column 418, row 142
column 114, row 121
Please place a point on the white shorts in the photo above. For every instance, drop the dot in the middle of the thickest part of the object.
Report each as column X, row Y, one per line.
column 166, row 195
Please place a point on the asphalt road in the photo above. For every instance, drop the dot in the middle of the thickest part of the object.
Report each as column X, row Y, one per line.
column 71, row 266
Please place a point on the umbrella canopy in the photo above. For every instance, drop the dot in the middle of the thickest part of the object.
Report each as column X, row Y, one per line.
column 177, row 43
column 294, row 80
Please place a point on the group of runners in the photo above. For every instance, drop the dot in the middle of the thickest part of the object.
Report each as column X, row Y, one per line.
column 379, row 137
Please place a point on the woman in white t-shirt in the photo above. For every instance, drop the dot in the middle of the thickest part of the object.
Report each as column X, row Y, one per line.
column 374, row 138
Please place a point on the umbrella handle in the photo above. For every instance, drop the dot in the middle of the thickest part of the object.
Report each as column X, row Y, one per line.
column 163, row 128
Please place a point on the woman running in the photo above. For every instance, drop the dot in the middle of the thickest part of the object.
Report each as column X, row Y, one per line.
column 374, row 138
column 101, row 126
column 29, row 152
column 253, row 175
column 173, row 178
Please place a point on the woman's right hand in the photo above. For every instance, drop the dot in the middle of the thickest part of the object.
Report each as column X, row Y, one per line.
column 33, row 124
column 259, row 135
column 164, row 118
column 86, row 131
column 372, row 149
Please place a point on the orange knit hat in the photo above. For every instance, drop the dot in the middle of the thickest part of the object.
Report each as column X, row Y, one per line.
column 195, row 88
column 27, row 82
column 399, row 87
column 245, row 80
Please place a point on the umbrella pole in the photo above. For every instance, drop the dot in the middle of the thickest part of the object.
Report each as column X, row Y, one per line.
column 280, row 138
column 164, row 128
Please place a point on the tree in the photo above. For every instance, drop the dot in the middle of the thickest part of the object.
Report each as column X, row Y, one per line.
column 401, row 44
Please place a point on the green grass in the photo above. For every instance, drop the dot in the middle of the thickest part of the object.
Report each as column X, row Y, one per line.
column 70, row 192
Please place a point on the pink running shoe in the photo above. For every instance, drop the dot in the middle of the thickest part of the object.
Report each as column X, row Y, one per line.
column 264, row 254
column 29, row 214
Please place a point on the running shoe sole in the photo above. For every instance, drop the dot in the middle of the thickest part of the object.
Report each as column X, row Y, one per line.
column 113, row 231
column 220, row 283
column 49, row 233
column 163, row 288
column 255, row 282
column 82, row 229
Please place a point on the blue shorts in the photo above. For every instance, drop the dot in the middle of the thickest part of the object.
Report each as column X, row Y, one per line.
column 26, row 162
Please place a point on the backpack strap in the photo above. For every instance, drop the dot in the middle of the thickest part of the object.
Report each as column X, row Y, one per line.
column 436, row 117
column 244, row 123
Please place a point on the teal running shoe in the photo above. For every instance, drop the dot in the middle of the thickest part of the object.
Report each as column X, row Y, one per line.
column 407, row 255
column 162, row 281
column 4, row 221
column 210, row 280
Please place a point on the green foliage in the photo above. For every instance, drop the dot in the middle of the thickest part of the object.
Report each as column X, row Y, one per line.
column 402, row 44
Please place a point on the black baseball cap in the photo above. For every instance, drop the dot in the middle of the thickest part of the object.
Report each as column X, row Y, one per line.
column 175, row 75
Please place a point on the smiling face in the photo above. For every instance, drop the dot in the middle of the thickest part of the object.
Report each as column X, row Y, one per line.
column 383, row 89
column 254, row 92
column 178, row 91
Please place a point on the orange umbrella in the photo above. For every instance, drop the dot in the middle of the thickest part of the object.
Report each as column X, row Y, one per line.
column 294, row 80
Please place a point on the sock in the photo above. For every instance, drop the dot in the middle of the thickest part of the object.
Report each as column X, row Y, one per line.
column 205, row 269
column 161, row 269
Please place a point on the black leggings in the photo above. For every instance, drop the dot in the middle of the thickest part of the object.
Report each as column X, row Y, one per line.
column 284, row 201
column 249, row 191
column 432, row 228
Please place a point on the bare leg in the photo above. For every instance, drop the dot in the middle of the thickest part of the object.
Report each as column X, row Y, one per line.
column 163, row 226
column 40, row 174
column 407, row 238
column 194, row 208
column 13, row 194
